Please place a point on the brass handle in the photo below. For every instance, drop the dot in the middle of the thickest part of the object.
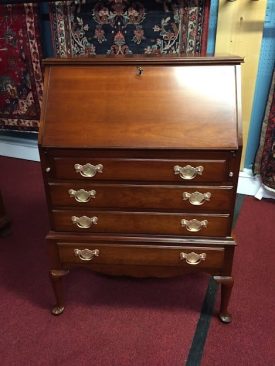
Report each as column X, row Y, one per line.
column 81, row 195
column 196, row 198
column 194, row 224
column 192, row 258
column 188, row 172
column 88, row 170
column 139, row 71
column 86, row 254
column 84, row 222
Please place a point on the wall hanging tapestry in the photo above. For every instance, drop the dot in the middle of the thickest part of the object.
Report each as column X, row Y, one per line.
column 20, row 68
column 265, row 160
column 122, row 27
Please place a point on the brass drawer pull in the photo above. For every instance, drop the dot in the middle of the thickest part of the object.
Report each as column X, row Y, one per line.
column 188, row 172
column 192, row 258
column 81, row 195
column 84, row 222
column 196, row 198
column 86, row 254
column 194, row 224
column 88, row 170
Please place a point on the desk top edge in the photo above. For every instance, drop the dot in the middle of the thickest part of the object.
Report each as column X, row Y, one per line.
column 145, row 60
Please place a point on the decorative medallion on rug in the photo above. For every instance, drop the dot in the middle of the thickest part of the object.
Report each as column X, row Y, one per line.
column 123, row 27
column 20, row 65
column 265, row 160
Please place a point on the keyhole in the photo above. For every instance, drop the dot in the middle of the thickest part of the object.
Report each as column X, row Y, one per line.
column 139, row 70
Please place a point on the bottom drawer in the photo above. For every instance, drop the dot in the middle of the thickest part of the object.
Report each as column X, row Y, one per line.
column 89, row 254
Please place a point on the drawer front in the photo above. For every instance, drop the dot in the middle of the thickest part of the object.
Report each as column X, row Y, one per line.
column 141, row 223
column 89, row 254
column 179, row 171
column 197, row 199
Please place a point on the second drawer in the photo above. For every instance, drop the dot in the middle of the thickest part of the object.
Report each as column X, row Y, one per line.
column 199, row 198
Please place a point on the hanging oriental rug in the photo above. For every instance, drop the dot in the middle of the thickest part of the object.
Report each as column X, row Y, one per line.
column 123, row 27
column 265, row 160
column 20, row 68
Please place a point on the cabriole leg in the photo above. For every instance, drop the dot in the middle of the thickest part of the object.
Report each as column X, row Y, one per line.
column 56, row 277
column 226, row 288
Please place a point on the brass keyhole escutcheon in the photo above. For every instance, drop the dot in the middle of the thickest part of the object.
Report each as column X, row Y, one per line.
column 139, row 71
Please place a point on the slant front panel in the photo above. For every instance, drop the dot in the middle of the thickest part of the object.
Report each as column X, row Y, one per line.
column 155, row 108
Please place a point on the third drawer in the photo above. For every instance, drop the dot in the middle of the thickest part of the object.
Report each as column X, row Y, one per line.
column 182, row 224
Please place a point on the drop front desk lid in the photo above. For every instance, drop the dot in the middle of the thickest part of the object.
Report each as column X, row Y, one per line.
column 142, row 102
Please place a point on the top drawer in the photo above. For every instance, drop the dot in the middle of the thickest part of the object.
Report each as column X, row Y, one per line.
column 122, row 169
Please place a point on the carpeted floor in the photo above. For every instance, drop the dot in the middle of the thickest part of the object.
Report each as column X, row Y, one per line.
column 121, row 321
column 107, row 321
column 250, row 338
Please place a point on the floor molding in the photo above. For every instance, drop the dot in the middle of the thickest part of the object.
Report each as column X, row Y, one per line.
column 27, row 149
column 20, row 148
column 251, row 185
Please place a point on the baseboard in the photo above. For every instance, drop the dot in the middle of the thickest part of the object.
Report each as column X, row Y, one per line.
column 20, row 148
column 249, row 184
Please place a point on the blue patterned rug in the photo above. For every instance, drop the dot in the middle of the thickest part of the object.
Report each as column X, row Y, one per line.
column 122, row 27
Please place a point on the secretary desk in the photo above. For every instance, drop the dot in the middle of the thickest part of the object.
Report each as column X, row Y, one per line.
column 140, row 158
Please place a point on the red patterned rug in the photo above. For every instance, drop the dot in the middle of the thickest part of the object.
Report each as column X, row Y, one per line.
column 130, row 27
column 20, row 65
column 265, row 160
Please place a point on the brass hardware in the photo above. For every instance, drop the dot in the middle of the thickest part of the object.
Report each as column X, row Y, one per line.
column 188, row 172
column 84, row 222
column 48, row 169
column 192, row 258
column 81, row 195
column 194, row 225
column 86, row 254
column 139, row 71
column 88, row 170
column 231, row 174
column 196, row 198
